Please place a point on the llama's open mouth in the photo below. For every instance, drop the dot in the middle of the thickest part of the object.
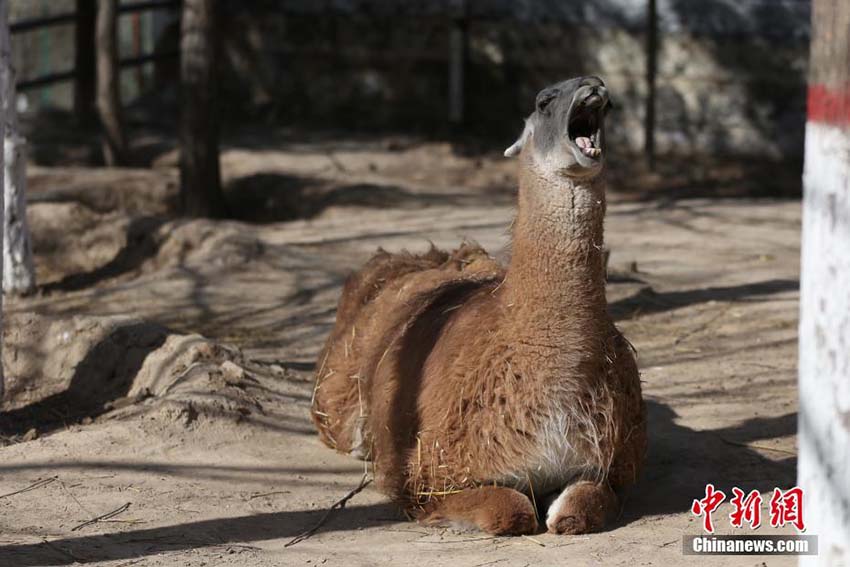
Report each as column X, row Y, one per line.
column 585, row 125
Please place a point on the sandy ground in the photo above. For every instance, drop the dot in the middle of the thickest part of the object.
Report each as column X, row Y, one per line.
column 166, row 364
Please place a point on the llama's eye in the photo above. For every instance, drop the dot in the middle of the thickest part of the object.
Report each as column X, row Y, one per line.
column 544, row 98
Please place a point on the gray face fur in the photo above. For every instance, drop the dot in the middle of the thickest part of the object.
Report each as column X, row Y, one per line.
column 566, row 130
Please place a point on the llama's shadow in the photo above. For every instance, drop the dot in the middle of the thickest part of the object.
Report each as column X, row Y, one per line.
column 681, row 461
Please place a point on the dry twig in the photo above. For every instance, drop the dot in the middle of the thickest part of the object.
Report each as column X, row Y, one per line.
column 260, row 495
column 108, row 515
column 531, row 539
column 63, row 552
column 756, row 446
column 338, row 505
column 33, row 486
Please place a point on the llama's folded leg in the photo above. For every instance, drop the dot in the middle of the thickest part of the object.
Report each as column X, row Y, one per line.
column 494, row 509
column 582, row 507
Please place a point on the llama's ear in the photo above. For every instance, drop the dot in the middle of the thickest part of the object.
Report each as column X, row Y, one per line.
column 516, row 148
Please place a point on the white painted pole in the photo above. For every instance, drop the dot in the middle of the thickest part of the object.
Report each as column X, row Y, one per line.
column 19, row 275
column 824, row 415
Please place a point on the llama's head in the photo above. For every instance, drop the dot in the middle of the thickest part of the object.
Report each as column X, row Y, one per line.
column 566, row 132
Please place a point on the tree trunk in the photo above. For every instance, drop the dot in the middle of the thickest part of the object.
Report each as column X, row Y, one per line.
column 109, row 84
column 18, row 276
column 84, row 61
column 824, row 413
column 5, row 67
column 200, row 174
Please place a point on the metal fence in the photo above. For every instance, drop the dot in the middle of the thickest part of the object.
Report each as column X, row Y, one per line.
column 70, row 18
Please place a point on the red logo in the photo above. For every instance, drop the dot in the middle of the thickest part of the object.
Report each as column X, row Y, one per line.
column 746, row 509
column 785, row 507
column 707, row 505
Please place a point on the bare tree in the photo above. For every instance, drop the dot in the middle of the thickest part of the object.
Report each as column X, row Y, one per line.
column 109, row 85
column 18, row 276
column 824, row 414
column 200, row 173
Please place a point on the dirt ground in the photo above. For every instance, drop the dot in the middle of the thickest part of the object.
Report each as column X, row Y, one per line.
column 164, row 368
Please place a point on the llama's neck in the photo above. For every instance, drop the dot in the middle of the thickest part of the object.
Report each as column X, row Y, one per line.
column 554, row 292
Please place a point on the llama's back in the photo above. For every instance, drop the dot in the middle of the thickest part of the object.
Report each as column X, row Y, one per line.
column 386, row 295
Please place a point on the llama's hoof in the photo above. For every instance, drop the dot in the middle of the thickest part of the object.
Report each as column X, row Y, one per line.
column 494, row 509
column 581, row 508
column 515, row 515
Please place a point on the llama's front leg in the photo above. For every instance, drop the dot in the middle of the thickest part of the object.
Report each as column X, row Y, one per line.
column 494, row 509
column 582, row 507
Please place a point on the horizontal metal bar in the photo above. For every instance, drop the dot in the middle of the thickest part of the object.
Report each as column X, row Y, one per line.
column 150, row 57
column 69, row 17
column 144, row 5
column 34, row 23
column 46, row 80
column 63, row 76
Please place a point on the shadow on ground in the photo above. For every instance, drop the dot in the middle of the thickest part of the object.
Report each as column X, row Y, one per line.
column 274, row 197
column 192, row 535
column 681, row 461
column 140, row 246
column 104, row 375
column 647, row 300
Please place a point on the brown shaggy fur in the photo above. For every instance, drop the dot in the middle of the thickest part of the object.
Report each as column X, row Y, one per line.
column 475, row 389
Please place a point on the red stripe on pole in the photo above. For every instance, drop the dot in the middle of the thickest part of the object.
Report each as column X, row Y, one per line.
column 829, row 105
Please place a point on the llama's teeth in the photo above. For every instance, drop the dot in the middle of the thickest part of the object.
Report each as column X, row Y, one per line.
column 583, row 142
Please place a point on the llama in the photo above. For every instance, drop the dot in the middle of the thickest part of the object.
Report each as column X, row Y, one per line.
column 483, row 394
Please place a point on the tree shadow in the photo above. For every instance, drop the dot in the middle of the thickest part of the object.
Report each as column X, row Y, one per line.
column 141, row 245
column 647, row 300
column 681, row 461
column 193, row 535
column 275, row 197
column 104, row 375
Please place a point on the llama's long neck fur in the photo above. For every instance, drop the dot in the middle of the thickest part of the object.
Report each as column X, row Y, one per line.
column 554, row 292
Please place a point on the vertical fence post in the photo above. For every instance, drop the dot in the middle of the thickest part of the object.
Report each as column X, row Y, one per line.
column 457, row 61
column 651, row 73
column 84, row 60
column 824, row 363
